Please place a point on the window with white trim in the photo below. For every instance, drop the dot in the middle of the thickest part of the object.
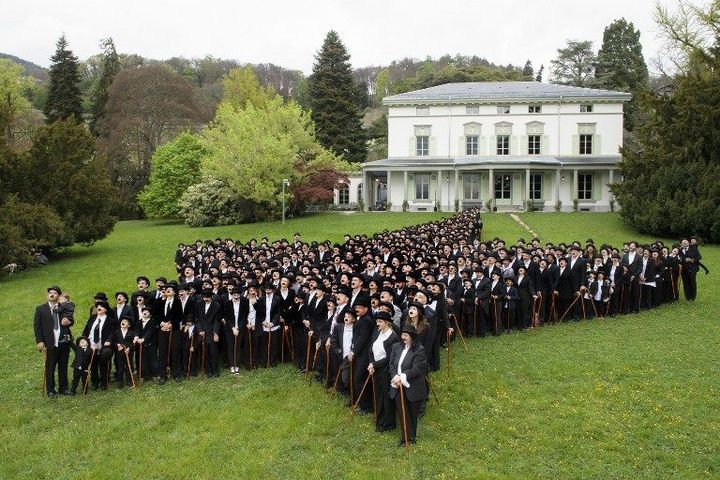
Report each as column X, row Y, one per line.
column 534, row 109
column 586, row 108
column 585, row 186
column 422, row 186
column 343, row 195
column 586, row 144
column 422, row 145
column 503, row 144
column 471, row 144
column 472, row 110
column 503, row 109
column 471, row 186
column 536, row 186
column 533, row 144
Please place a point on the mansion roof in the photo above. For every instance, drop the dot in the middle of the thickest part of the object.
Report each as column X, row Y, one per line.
column 479, row 92
column 492, row 161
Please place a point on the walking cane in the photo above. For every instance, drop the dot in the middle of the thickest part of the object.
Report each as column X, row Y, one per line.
column 640, row 288
column 361, row 393
column 268, row 348
column 352, row 382
column 672, row 283
column 582, row 304
column 87, row 377
column 337, row 377
column 495, row 316
column 43, row 385
column 462, row 337
column 679, row 281
column 577, row 296
column 282, row 345
column 507, row 318
column 475, row 307
column 289, row 341
column 594, row 308
column 250, row 355
column 427, row 379
column 187, row 374
column 448, row 350
column 375, row 410
column 204, row 369
column 129, row 366
column 167, row 360
column 309, row 377
column 307, row 356
column 622, row 300
column 404, row 417
column 235, row 350
column 327, row 364
column 553, row 311
column 140, row 362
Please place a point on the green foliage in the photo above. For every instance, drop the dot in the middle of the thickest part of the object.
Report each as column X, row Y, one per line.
column 110, row 68
column 671, row 168
column 13, row 86
column 574, row 64
column 241, row 86
column 65, row 174
column 405, row 206
column 333, row 98
column 175, row 167
column 528, row 71
column 575, row 204
column 64, row 99
column 432, row 73
column 212, row 202
column 558, row 206
column 24, row 227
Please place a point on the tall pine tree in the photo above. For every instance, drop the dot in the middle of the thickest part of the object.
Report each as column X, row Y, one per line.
column 64, row 99
column 621, row 65
column 110, row 68
column 333, row 98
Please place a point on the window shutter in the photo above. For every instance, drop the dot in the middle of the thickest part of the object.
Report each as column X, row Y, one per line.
column 462, row 148
column 482, row 146
column 514, row 147
column 545, row 145
column 576, row 144
column 412, row 151
column 596, row 150
column 524, row 150
column 433, row 146
column 596, row 183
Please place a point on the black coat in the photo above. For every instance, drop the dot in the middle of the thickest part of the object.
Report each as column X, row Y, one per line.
column 414, row 366
column 44, row 324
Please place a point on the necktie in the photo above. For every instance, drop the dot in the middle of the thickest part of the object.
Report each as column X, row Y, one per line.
column 56, row 318
column 167, row 307
column 96, row 333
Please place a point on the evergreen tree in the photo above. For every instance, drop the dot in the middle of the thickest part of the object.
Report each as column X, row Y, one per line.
column 621, row 66
column 539, row 76
column 64, row 99
column 574, row 64
column 528, row 71
column 110, row 68
column 333, row 100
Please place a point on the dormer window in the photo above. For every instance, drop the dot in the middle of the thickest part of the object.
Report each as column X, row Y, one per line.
column 534, row 109
column 422, row 111
column 472, row 110
column 503, row 109
column 586, row 108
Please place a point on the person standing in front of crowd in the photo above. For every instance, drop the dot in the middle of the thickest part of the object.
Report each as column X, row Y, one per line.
column 689, row 259
column 408, row 368
column 381, row 346
column 47, row 325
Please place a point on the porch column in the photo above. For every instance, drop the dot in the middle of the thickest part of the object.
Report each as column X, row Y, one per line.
column 527, row 184
column 457, row 185
column 556, row 192
column 439, row 192
column 574, row 190
column 491, row 185
column 405, row 180
column 366, row 190
column 388, row 197
column 610, row 181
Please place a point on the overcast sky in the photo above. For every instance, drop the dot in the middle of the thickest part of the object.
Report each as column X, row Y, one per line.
column 289, row 32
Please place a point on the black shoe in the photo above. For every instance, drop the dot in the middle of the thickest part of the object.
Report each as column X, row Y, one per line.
column 67, row 393
column 362, row 411
column 73, row 393
column 162, row 381
column 51, row 395
column 177, row 379
column 401, row 443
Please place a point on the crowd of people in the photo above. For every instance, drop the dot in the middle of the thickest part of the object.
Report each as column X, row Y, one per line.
column 367, row 317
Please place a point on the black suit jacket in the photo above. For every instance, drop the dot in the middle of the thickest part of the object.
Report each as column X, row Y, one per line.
column 44, row 324
column 414, row 366
column 208, row 322
column 387, row 345
column 106, row 333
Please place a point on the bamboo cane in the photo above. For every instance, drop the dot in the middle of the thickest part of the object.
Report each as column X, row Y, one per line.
column 375, row 410
column 404, row 416
column 553, row 311
column 268, row 347
column 89, row 370
column 582, row 304
column 577, row 296
column 307, row 356
column 362, row 390
column 43, row 385
column 327, row 364
column 594, row 308
column 462, row 337
column 140, row 362
column 235, row 337
column 190, row 354
column 250, row 355
column 337, row 378
column 129, row 366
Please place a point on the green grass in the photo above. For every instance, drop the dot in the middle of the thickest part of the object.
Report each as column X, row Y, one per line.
column 632, row 397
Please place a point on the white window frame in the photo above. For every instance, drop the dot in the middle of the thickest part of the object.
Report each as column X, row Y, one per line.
column 585, row 144
column 471, row 186
column 344, row 194
column 503, row 109
column 472, row 144
column 472, row 110
column 534, row 144
column 586, row 108
column 422, row 145
column 502, row 144
column 422, row 186
column 585, row 186
column 534, row 109
column 536, row 180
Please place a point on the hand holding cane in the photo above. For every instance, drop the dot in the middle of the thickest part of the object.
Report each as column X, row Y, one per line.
column 129, row 367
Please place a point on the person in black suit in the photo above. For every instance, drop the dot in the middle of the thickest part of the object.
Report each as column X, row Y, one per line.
column 563, row 288
column 381, row 344
column 482, row 319
column 510, row 298
column 145, row 341
column 123, row 309
column 123, row 340
column 578, row 277
column 270, row 327
column 361, row 343
column 496, row 298
column 47, row 325
column 527, row 295
column 253, row 324
column 207, row 316
column 689, row 259
column 634, row 262
column 168, row 314
column 234, row 316
column 647, row 280
column 99, row 330
column 82, row 350
column 408, row 368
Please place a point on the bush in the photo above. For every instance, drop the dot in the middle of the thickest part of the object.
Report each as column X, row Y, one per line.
column 405, row 206
column 212, row 202
column 24, row 227
column 558, row 206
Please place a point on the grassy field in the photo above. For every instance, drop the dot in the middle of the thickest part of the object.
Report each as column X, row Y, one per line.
column 631, row 397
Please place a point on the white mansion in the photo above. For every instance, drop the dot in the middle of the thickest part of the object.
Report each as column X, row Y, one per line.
column 503, row 144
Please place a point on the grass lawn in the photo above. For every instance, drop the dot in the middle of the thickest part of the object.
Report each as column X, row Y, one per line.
column 632, row 397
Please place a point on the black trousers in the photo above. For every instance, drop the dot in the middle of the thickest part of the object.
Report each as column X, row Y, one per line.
column 234, row 347
column 173, row 341
column 689, row 283
column 146, row 360
column 79, row 375
column 57, row 358
column 269, row 348
column 412, row 413
column 122, row 374
column 209, row 356
column 100, row 371
column 384, row 405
